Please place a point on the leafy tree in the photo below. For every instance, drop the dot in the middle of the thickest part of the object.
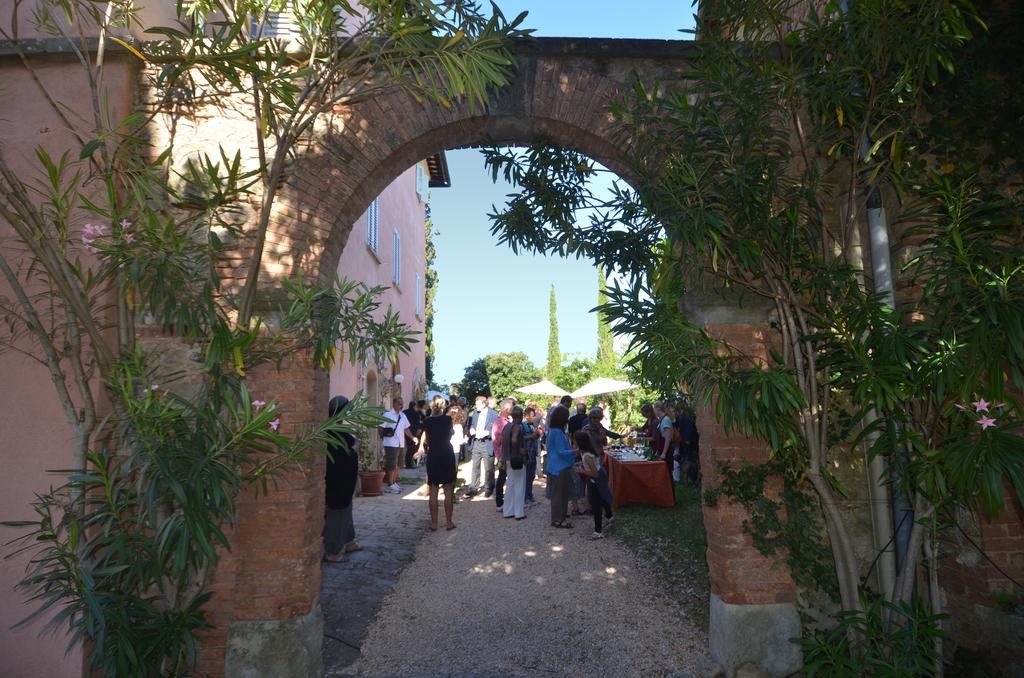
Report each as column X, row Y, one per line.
column 506, row 372
column 575, row 373
column 753, row 185
column 554, row 354
column 124, row 548
column 974, row 112
column 499, row 375
column 474, row 381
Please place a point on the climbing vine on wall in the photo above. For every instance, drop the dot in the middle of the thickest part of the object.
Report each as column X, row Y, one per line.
column 782, row 524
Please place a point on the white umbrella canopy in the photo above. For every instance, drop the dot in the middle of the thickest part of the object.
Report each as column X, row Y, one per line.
column 543, row 388
column 602, row 385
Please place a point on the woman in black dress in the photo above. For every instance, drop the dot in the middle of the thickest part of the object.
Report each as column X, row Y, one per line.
column 436, row 438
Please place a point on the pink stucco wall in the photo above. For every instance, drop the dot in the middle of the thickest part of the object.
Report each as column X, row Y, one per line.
column 400, row 209
column 34, row 436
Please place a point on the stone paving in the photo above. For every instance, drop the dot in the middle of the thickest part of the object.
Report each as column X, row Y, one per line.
column 388, row 528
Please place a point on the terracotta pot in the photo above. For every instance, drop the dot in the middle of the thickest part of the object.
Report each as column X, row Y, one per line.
column 370, row 483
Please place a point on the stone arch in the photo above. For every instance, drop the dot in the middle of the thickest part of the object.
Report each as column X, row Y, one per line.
column 468, row 132
column 561, row 93
column 371, row 388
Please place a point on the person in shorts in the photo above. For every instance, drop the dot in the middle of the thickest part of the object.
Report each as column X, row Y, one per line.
column 397, row 425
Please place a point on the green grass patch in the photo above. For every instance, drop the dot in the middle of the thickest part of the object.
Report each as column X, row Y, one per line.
column 673, row 544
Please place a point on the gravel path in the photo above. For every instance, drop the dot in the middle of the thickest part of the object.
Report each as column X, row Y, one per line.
column 515, row 598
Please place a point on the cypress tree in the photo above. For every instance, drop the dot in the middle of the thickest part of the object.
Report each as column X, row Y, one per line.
column 605, row 345
column 554, row 355
column 430, row 292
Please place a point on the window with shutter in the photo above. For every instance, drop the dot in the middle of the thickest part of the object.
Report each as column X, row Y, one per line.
column 278, row 26
column 372, row 226
column 421, row 183
column 397, row 273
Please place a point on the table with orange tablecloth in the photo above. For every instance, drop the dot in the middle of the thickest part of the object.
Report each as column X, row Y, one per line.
column 639, row 482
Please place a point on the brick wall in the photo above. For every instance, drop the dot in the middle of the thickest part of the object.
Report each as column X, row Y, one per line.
column 272, row 570
column 969, row 583
column 739, row 573
column 560, row 94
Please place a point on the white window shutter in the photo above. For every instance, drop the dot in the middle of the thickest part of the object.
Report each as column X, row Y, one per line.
column 419, row 296
column 422, row 184
column 376, row 224
column 397, row 274
column 373, row 226
column 279, row 25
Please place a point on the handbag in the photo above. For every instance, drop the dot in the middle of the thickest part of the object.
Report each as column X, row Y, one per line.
column 385, row 431
column 516, row 463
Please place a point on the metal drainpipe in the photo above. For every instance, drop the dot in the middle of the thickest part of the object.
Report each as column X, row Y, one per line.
column 881, row 269
column 879, row 502
column 883, row 509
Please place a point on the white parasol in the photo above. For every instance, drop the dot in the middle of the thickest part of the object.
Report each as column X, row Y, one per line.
column 543, row 388
column 602, row 385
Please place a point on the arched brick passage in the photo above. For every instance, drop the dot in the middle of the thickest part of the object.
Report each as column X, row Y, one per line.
column 266, row 589
column 560, row 93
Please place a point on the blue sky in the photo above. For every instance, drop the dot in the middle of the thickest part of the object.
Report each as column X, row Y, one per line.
column 470, row 259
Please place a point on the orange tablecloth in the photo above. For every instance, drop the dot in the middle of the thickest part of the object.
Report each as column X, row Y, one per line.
column 639, row 482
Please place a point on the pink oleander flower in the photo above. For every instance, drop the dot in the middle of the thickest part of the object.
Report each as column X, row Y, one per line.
column 275, row 424
column 258, row 404
column 126, row 234
column 90, row 232
column 986, row 422
column 960, row 407
column 981, row 405
column 94, row 230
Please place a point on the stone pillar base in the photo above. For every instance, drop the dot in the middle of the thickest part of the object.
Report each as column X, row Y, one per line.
column 281, row 648
column 756, row 634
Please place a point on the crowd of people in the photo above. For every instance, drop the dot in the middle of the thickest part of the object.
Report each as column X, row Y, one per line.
column 507, row 447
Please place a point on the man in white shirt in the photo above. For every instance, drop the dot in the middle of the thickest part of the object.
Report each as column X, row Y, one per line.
column 394, row 444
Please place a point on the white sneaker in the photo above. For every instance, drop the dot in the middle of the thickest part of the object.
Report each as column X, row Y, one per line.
column 396, row 488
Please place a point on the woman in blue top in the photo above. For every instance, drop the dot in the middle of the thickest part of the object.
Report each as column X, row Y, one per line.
column 560, row 461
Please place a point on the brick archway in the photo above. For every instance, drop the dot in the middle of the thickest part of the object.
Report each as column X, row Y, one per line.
column 560, row 94
column 266, row 589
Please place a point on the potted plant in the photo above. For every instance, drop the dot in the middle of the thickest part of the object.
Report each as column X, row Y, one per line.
column 371, row 476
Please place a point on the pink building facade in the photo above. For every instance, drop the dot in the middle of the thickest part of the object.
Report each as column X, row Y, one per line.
column 35, row 439
column 387, row 249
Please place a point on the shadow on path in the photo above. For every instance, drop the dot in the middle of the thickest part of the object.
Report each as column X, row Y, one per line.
column 388, row 528
column 498, row 597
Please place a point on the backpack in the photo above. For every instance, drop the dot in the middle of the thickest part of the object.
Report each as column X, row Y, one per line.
column 685, row 421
